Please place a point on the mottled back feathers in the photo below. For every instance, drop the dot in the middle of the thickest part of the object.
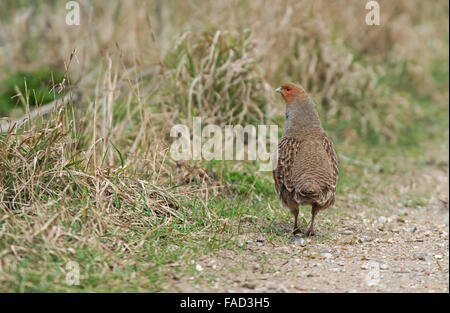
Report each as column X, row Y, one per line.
column 307, row 168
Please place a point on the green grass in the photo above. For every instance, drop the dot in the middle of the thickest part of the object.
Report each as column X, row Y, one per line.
column 38, row 85
column 106, row 195
column 171, row 246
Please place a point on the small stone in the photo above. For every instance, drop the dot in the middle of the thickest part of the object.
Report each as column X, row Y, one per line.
column 420, row 256
column 382, row 219
column 364, row 267
column 327, row 255
column 300, row 241
column 347, row 232
column 282, row 289
column 324, row 250
column 198, row 267
column 196, row 286
column 438, row 256
column 211, row 263
column 249, row 285
column 383, row 266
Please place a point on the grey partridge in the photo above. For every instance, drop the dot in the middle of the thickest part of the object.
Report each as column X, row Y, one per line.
column 306, row 171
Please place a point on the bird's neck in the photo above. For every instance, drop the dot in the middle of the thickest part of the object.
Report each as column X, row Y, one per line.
column 301, row 118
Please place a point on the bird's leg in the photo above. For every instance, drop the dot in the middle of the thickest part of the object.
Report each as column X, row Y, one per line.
column 314, row 211
column 294, row 211
column 296, row 230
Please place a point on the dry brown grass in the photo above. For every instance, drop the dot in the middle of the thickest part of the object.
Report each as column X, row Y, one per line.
column 356, row 73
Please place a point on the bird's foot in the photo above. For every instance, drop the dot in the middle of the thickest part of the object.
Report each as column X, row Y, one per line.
column 297, row 231
column 310, row 232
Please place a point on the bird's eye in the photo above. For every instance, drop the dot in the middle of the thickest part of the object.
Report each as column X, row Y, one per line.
column 288, row 89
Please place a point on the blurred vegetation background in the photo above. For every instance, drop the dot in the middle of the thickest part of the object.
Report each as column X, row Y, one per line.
column 374, row 82
column 99, row 166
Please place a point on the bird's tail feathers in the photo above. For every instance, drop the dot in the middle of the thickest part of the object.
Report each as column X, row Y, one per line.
column 309, row 189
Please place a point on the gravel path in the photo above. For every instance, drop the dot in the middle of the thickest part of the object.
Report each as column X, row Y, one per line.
column 400, row 248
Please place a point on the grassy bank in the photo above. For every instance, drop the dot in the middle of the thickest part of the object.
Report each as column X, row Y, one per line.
column 93, row 182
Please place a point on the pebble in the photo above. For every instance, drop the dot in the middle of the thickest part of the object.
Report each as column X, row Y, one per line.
column 401, row 213
column 382, row 219
column 420, row 256
column 300, row 241
column 335, row 270
column 383, row 266
column 282, row 289
column 438, row 256
column 347, row 232
column 249, row 285
column 327, row 255
column 199, row 268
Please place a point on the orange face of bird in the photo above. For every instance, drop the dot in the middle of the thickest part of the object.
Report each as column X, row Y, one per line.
column 290, row 91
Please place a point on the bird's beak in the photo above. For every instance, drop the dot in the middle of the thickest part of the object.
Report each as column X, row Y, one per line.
column 278, row 89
